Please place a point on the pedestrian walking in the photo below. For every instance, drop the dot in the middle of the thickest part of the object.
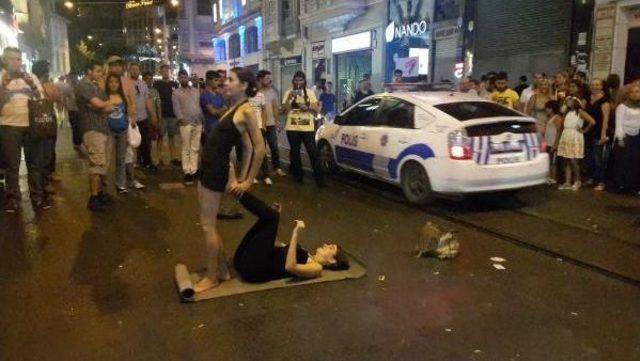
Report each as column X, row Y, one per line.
column 571, row 144
column 17, row 88
column 503, row 94
column 301, row 106
column 627, row 136
column 66, row 87
column 328, row 100
column 271, row 118
column 169, row 129
column 50, row 92
column 186, row 105
column 597, row 139
column 155, row 126
column 95, row 127
column 237, row 124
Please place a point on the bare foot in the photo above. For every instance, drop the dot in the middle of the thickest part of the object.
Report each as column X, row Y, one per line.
column 205, row 284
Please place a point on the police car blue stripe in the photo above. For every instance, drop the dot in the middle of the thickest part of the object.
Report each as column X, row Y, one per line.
column 421, row 150
column 355, row 158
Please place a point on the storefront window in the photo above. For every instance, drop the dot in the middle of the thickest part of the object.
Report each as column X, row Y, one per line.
column 350, row 69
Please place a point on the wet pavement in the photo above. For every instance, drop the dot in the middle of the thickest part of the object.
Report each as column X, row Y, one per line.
column 77, row 286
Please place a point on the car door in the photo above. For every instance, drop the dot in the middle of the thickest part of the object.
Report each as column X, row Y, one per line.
column 390, row 136
column 349, row 150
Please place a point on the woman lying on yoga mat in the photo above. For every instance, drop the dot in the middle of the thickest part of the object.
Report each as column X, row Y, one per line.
column 260, row 259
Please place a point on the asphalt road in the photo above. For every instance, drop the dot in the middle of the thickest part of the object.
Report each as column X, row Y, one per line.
column 77, row 286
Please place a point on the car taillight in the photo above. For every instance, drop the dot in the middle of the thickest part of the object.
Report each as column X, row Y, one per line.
column 460, row 145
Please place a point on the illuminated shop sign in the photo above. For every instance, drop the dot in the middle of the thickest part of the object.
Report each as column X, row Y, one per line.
column 414, row 29
column 138, row 3
column 351, row 42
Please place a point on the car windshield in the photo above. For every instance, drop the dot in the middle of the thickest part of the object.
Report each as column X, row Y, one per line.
column 474, row 110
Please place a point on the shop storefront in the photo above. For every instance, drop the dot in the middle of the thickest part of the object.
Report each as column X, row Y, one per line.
column 288, row 68
column 408, row 39
column 352, row 56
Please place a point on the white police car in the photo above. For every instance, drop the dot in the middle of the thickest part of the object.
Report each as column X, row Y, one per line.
column 436, row 142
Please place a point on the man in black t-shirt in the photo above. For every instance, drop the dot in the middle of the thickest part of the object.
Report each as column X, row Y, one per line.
column 168, row 123
column 364, row 90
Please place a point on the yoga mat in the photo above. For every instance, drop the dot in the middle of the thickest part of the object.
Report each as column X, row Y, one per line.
column 236, row 286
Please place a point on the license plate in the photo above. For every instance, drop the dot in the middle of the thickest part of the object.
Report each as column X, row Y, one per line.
column 508, row 160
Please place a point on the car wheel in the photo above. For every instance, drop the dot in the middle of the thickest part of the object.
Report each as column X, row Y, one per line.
column 326, row 158
column 415, row 183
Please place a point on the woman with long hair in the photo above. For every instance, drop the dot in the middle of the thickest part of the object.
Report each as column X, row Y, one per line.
column 627, row 136
column 571, row 143
column 597, row 139
column 301, row 106
column 561, row 86
column 260, row 258
column 536, row 107
column 237, row 125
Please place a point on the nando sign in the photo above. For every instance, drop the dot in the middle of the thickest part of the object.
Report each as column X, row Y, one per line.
column 414, row 29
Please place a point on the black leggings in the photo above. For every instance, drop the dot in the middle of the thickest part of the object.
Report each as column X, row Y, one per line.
column 253, row 258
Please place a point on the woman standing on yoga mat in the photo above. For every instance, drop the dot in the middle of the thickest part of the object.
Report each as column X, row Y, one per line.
column 260, row 259
column 238, row 124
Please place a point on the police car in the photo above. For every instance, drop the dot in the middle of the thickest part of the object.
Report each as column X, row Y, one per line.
column 435, row 142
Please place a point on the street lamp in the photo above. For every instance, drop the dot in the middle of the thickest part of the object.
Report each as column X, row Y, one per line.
column 175, row 3
column 158, row 31
column 68, row 5
column 90, row 37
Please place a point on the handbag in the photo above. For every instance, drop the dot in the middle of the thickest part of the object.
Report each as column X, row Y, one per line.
column 42, row 122
column 134, row 138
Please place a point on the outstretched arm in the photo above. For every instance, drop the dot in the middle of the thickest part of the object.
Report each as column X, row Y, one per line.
column 312, row 270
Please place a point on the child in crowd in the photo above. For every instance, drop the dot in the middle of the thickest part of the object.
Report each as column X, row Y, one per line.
column 552, row 107
column 571, row 143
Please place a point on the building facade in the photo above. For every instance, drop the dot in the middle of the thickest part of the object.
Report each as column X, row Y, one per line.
column 60, row 63
column 616, row 40
column 194, row 35
column 146, row 30
column 239, row 34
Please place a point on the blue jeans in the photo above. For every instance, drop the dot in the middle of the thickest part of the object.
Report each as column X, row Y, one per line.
column 596, row 157
column 271, row 137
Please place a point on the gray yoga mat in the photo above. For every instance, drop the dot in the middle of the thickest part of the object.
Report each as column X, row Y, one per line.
column 185, row 281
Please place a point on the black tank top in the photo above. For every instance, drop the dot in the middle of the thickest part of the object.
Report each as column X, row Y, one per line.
column 214, row 167
column 279, row 261
column 595, row 111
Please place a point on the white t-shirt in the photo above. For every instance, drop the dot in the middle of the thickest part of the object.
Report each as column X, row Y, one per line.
column 258, row 104
column 526, row 95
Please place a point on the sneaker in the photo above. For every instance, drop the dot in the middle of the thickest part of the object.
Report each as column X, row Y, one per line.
column 599, row 188
column 137, row 185
column 11, row 206
column 268, row 181
column 95, row 205
column 188, row 179
column 565, row 187
column 576, row 186
column 551, row 181
column 122, row 190
column 280, row 173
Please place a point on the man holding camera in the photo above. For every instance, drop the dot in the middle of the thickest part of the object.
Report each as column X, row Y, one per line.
column 16, row 89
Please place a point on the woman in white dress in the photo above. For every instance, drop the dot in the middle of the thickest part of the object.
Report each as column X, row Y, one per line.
column 571, row 143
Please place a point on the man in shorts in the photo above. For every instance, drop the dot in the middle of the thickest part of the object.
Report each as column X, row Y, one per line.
column 165, row 88
column 93, row 107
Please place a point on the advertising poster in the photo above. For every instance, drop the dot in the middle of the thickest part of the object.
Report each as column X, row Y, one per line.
column 409, row 27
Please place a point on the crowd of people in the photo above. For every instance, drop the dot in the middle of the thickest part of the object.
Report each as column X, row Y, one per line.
column 114, row 101
column 591, row 127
